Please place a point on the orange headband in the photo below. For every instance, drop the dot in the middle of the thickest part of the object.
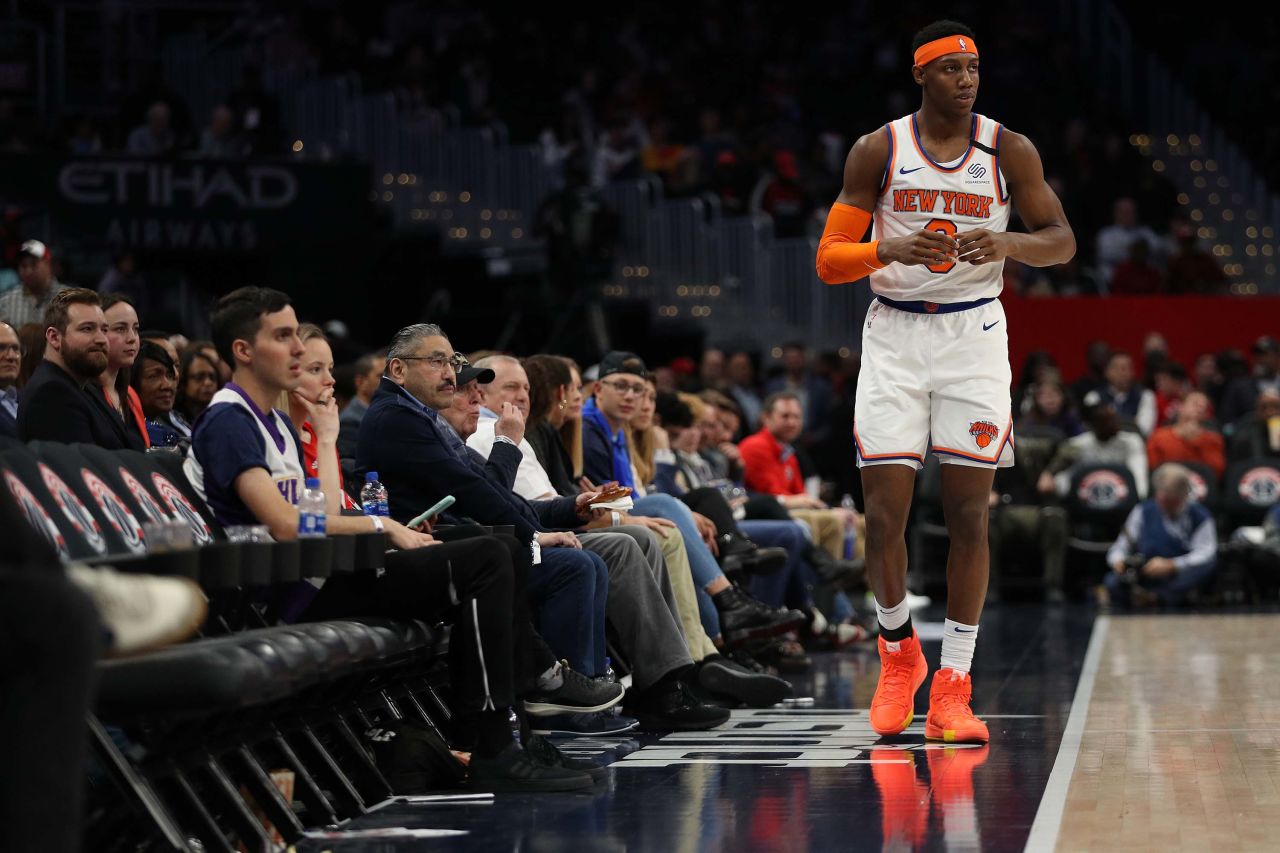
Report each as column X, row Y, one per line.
column 941, row 47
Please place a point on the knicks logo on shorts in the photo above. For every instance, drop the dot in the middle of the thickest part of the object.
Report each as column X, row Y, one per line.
column 984, row 432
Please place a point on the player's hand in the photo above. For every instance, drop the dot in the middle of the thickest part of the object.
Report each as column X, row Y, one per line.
column 922, row 247
column 981, row 246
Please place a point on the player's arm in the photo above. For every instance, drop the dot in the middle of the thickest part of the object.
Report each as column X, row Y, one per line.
column 1048, row 239
column 842, row 256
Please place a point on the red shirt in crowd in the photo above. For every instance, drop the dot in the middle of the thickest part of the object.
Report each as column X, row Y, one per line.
column 771, row 468
column 310, row 459
column 1165, row 445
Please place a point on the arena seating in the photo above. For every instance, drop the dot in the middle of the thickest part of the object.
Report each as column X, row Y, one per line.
column 189, row 735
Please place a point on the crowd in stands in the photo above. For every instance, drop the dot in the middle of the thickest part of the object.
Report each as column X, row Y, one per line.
column 633, row 100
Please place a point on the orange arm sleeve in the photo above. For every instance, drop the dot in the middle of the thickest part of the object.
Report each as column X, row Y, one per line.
column 841, row 258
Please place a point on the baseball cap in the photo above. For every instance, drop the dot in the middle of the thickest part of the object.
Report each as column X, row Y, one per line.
column 467, row 372
column 621, row 362
column 35, row 249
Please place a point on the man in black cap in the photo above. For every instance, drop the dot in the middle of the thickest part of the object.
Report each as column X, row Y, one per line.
column 26, row 304
column 1241, row 396
column 616, row 395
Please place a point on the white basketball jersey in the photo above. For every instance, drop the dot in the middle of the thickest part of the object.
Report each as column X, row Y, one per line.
column 283, row 465
column 918, row 193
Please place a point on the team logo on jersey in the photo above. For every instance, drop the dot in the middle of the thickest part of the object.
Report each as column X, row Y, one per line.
column 1260, row 486
column 984, row 432
column 36, row 516
column 75, row 511
column 977, row 170
column 116, row 511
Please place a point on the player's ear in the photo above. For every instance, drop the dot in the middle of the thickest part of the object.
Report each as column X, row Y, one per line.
column 917, row 73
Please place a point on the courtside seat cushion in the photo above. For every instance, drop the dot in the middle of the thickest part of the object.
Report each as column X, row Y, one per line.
column 196, row 679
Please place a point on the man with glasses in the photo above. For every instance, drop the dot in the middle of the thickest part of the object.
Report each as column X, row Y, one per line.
column 617, row 394
column 10, row 364
column 421, row 459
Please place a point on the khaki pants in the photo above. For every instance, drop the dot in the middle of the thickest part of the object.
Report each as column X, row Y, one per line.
column 826, row 527
column 700, row 645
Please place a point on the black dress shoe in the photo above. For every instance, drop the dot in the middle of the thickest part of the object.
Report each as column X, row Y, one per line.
column 756, row 561
column 743, row 618
column 757, row 690
column 514, row 770
column 672, row 708
column 547, row 753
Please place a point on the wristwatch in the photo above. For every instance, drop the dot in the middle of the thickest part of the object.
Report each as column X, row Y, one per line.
column 617, row 518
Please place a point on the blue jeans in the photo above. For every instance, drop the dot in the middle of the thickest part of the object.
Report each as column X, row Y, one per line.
column 702, row 565
column 1170, row 591
column 569, row 590
column 790, row 585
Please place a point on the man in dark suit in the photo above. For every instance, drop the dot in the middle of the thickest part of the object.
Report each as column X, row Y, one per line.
column 10, row 364
column 55, row 405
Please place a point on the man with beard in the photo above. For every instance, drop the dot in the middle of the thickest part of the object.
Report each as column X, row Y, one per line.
column 59, row 404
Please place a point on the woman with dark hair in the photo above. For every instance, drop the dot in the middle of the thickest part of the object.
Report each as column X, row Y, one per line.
column 1035, row 368
column 154, row 379
column 1049, row 406
column 122, row 349
column 550, row 390
column 31, row 338
column 198, row 383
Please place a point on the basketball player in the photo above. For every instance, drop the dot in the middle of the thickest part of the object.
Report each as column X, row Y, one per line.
column 935, row 363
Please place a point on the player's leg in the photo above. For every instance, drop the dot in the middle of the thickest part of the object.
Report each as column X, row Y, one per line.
column 891, row 428
column 966, row 493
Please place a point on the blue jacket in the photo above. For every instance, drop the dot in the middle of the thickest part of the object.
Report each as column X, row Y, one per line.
column 416, row 462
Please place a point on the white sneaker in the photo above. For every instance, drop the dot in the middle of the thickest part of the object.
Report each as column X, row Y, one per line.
column 142, row 612
column 914, row 602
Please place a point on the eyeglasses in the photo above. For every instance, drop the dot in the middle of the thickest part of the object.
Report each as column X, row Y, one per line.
column 14, row 348
column 439, row 360
column 626, row 387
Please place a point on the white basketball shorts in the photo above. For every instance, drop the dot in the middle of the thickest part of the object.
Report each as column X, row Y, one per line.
column 936, row 381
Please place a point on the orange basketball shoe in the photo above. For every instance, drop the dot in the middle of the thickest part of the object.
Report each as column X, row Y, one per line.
column 902, row 671
column 950, row 718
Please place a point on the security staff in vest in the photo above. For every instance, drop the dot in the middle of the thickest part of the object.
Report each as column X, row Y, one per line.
column 1168, row 547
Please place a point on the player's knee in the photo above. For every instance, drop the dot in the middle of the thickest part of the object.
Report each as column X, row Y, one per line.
column 967, row 520
column 884, row 524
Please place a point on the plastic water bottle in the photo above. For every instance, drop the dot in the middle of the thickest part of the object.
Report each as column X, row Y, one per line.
column 311, row 512
column 849, row 535
column 373, row 497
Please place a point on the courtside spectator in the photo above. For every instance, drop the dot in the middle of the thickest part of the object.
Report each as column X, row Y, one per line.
column 10, row 366
column 1104, row 444
column 813, row 391
column 742, row 387
column 155, row 380
column 122, row 350
column 1097, row 355
column 63, row 402
column 1168, row 548
column 368, row 372
column 27, row 304
column 196, row 385
column 124, row 279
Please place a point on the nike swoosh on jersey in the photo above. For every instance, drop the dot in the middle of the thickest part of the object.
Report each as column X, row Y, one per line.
column 987, row 328
column 905, row 171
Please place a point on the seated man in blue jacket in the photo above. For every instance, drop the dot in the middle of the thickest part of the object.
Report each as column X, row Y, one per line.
column 420, row 459
column 1168, row 546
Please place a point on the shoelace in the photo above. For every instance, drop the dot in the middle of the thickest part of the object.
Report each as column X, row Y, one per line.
column 898, row 676
column 955, row 703
column 544, row 750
